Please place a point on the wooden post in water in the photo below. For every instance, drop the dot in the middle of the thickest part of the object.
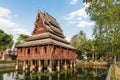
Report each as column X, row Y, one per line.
column 40, row 66
column 24, row 64
column 58, row 65
column 65, row 65
column 74, row 64
column 16, row 66
column 71, row 64
column 50, row 66
column 31, row 66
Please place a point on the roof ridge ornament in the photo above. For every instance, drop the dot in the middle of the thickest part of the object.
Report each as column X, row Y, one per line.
column 46, row 14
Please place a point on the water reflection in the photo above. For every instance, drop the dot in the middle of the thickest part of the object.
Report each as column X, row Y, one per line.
column 81, row 73
column 58, row 76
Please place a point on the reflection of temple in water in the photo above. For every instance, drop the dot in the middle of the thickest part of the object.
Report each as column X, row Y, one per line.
column 46, row 47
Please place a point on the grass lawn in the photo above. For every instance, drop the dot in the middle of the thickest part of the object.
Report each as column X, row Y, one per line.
column 7, row 61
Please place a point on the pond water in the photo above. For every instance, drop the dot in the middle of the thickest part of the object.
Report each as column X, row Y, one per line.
column 80, row 73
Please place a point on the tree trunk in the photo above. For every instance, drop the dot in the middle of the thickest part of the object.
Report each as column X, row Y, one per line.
column 115, row 62
column 1, row 53
column 92, row 56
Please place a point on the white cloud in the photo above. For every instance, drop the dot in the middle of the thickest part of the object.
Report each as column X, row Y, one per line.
column 21, row 31
column 5, row 15
column 6, row 22
column 79, row 14
column 8, row 25
column 73, row 2
column 68, row 37
column 4, row 12
column 85, row 23
column 79, row 17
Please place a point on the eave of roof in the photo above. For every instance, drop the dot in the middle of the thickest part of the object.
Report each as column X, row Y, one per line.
column 44, row 42
column 46, row 35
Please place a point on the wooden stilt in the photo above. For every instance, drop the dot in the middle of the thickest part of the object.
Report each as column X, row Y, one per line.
column 58, row 75
column 16, row 66
column 58, row 65
column 65, row 65
column 24, row 64
column 74, row 64
column 71, row 64
column 61, row 63
column 31, row 65
column 40, row 66
column 50, row 66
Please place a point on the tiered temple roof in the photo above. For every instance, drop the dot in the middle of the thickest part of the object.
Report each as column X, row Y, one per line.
column 47, row 31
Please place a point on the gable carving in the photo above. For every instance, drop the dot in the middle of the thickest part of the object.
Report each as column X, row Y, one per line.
column 39, row 27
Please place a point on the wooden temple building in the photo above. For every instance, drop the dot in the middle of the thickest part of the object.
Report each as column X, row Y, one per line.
column 47, row 43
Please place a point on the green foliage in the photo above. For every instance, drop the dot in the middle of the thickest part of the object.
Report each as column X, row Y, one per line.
column 43, row 74
column 80, row 42
column 106, row 14
column 6, row 40
column 21, row 39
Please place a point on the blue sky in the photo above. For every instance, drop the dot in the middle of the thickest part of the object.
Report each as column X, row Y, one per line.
column 18, row 16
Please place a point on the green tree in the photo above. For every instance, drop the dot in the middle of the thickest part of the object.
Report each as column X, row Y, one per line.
column 80, row 42
column 6, row 40
column 21, row 39
column 106, row 14
column 74, row 41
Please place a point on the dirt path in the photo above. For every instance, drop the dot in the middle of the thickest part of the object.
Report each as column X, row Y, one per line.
column 108, row 76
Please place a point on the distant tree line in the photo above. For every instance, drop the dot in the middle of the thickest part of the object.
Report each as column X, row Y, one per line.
column 21, row 38
column 6, row 40
column 82, row 44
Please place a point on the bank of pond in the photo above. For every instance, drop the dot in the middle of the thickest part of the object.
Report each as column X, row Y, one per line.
column 79, row 73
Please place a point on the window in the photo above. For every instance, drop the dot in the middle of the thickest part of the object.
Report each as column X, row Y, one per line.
column 28, row 50
column 62, row 50
column 45, row 49
column 36, row 51
column 68, row 52
column 54, row 49
column 21, row 50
